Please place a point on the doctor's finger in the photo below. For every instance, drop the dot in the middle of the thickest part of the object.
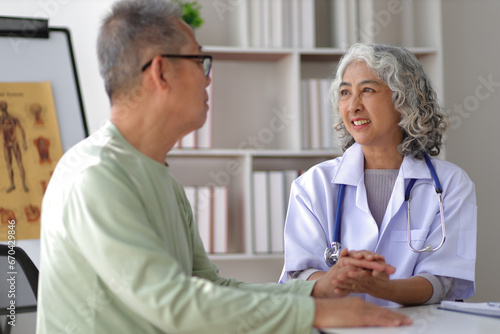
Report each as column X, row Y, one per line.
column 367, row 255
column 369, row 274
column 344, row 252
column 365, row 264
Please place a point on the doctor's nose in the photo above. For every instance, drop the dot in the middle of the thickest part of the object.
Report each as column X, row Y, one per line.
column 354, row 105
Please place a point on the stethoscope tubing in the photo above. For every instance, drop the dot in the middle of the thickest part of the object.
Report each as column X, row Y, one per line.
column 338, row 213
column 427, row 248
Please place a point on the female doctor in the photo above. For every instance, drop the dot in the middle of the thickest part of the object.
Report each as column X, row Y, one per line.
column 391, row 124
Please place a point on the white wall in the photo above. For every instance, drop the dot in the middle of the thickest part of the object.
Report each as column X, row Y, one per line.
column 471, row 53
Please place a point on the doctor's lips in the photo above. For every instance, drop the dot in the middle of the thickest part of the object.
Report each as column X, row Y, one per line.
column 360, row 121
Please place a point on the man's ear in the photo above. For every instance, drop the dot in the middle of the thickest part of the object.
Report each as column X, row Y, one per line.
column 160, row 71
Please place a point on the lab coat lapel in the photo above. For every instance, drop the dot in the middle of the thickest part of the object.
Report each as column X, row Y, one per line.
column 351, row 172
column 351, row 167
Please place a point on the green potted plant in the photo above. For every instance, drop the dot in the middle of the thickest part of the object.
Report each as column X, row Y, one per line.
column 191, row 13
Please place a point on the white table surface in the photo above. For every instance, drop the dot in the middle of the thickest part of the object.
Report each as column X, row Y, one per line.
column 430, row 320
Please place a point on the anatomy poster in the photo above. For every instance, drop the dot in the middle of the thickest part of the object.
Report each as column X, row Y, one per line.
column 30, row 146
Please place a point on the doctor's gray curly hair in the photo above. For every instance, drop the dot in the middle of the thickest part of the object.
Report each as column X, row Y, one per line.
column 423, row 121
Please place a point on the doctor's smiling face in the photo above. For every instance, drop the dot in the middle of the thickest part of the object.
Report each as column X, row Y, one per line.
column 367, row 109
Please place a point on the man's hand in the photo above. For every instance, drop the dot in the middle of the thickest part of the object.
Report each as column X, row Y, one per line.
column 354, row 312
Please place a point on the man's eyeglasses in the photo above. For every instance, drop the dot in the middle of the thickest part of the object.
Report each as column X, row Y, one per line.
column 206, row 61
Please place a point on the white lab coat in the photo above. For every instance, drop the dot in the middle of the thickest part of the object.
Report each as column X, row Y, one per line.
column 311, row 215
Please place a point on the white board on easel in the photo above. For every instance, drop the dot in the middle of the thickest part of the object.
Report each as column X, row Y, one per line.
column 30, row 51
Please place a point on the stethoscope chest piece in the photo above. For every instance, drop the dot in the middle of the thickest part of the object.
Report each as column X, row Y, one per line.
column 332, row 253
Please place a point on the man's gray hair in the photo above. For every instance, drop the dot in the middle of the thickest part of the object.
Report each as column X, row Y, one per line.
column 133, row 30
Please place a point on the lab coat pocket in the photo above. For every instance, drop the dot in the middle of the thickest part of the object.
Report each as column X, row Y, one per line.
column 467, row 233
column 417, row 237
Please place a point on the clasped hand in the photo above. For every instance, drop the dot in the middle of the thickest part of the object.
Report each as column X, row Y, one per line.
column 355, row 271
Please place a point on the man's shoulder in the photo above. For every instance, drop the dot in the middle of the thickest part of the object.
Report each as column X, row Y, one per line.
column 92, row 153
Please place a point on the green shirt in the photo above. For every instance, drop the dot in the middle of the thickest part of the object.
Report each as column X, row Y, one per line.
column 121, row 254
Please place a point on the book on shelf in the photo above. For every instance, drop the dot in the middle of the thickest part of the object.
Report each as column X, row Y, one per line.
column 287, row 22
column 307, row 24
column 351, row 25
column 188, row 141
column 314, row 113
column 210, row 213
column 278, row 22
column 239, row 34
column 255, row 21
column 290, row 176
column 260, row 212
column 274, row 24
column 343, row 23
column 295, row 22
column 277, row 210
column 306, row 132
column 271, row 190
column 317, row 115
column 324, row 23
column 220, row 220
column 191, row 196
column 326, row 116
column 265, row 13
column 198, row 198
column 203, row 216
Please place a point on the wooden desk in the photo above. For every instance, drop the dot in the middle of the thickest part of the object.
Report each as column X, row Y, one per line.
column 429, row 320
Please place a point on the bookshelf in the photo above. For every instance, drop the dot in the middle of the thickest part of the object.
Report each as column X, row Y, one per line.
column 257, row 96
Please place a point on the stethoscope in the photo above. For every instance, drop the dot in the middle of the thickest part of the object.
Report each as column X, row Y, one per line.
column 332, row 253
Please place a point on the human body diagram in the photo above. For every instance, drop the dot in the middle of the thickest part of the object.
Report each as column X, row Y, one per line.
column 11, row 148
